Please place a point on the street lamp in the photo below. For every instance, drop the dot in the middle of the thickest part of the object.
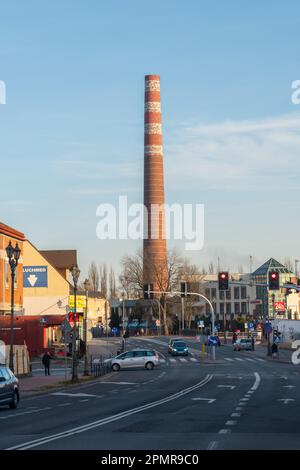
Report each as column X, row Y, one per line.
column 86, row 285
column 13, row 254
column 296, row 262
column 123, row 320
column 75, row 271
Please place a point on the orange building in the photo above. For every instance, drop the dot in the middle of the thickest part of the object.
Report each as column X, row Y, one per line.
column 8, row 234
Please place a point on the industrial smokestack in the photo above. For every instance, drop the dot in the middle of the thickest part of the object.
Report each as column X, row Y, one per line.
column 155, row 252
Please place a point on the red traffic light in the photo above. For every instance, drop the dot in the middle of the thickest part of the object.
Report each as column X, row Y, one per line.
column 223, row 278
column 273, row 280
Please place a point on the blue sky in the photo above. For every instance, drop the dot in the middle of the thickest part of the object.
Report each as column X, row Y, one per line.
column 71, row 133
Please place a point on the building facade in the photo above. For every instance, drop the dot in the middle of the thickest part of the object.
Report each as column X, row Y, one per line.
column 9, row 234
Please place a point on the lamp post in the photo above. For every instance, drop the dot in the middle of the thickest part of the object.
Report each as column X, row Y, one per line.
column 86, row 285
column 13, row 254
column 296, row 272
column 75, row 271
column 123, row 321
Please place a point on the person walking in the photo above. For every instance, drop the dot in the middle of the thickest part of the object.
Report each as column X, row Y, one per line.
column 46, row 362
column 274, row 350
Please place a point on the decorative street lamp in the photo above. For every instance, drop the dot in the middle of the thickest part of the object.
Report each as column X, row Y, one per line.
column 75, row 271
column 86, row 285
column 123, row 320
column 13, row 254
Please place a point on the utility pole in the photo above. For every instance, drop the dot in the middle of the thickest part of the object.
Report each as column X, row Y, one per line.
column 13, row 255
column 86, row 288
column 75, row 271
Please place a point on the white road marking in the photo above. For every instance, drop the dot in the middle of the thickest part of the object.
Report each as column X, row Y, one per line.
column 238, row 408
column 118, row 383
column 209, row 400
column 74, row 395
column 250, row 391
column 248, row 359
column 25, row 413
column 244, row 399
column 182, row 359
column 160, row 360
column 172, row 360
column 257, row 381
column 109, row 419
column 224, row 431
column 228, row 359
column 259, row 359
column 83, row 401
column 193, row 359
column 230, row 423
column 235, row 415
column 227, row 386
column 65, row 404
column 286, row 400
column 289, row 386
column 238, row 359
column 212, row 445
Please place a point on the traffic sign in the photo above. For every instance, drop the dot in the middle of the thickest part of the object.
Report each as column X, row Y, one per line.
column 279, row 306
column 35, row 276
column 212, row 341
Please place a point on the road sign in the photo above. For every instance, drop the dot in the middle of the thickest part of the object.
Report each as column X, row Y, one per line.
column 35, row 276
column 80, row 301
column 279, row 306
column 213, row 341
column 251, row 325
column 157, row 322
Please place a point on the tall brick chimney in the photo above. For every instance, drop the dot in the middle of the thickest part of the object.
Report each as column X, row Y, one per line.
column 155, row 252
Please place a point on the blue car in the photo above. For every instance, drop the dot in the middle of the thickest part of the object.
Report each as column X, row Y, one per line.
column 179, row 348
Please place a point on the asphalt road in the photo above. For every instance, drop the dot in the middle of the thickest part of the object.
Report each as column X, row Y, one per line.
column 242, row 402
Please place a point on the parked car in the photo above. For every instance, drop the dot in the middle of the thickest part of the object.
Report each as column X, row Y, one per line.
column 9, row 388
column 147, row 359
column 179, row 348
column 242, row 344
column 172, row 341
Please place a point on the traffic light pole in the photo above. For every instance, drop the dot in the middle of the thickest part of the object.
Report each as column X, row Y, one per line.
column 202, row 297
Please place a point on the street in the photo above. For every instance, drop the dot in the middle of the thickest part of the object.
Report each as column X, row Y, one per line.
column 243, row 401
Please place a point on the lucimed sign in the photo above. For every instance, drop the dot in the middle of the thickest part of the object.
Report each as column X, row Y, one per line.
column 35, row 276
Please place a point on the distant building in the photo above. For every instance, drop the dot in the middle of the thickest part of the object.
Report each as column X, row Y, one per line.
column 261, row 276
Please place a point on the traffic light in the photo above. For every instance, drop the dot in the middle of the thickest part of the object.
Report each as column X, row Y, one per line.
column 223, row 279
column 183, row 289
column 273, row 280
column 147, row 293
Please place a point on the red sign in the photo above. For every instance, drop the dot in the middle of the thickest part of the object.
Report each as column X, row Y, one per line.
column 279, row 306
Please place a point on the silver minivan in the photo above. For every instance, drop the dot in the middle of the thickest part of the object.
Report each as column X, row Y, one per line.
column 144, row 358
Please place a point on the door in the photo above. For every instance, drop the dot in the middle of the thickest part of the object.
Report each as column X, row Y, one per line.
column 140, row 358
column 128, row 360
column 4, row 395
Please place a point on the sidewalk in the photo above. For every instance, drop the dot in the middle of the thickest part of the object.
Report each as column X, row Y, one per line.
column 38, row 385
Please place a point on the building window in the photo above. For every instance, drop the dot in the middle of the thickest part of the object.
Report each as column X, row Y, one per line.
column 243, row 293
column 236, row 308
column 228, row 309
column 236, row 292
column 244, row 308
column 222, row 309
column 221, row 295
column 214, row 293
column 228, row 294
column 6, row 274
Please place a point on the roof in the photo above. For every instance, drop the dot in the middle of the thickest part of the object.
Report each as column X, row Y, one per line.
column 60, row 259
column 11, row 232
column 270, row 265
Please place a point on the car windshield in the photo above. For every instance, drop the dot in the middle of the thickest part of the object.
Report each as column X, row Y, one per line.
column 180, row 345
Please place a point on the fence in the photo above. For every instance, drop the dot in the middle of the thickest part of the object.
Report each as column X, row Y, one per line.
column 98, row 367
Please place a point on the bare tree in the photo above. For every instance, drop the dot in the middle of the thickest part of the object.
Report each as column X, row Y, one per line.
column 112, row 284
column 93, row 276
column 240, row 269
column 288, row 263
column 103, row 281
column 211, row 268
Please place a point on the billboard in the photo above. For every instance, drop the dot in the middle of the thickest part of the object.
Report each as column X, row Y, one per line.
column 35, row 276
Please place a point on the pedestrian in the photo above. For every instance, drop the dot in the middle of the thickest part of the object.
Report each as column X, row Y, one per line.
column 46, row 362
column 252, row 343
column 274, row 350
column 234, row 338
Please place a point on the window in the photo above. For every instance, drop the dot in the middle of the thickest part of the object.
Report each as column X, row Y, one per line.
column 214, row 293
column 228, row 309
column 236, row 307
column 6, row 374
column 222, row 309
column 244, row 307
column 236, row 292
column 228, row 294
column 128, row 355
column 150, row 353
column 243, row 293
column 139, row 353
column 222, row 295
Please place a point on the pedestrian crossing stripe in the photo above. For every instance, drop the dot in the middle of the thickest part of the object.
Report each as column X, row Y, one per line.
column 182, row 359
column 193, row 359
column 238, row 359
column 228, row 359
column 172, row 360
